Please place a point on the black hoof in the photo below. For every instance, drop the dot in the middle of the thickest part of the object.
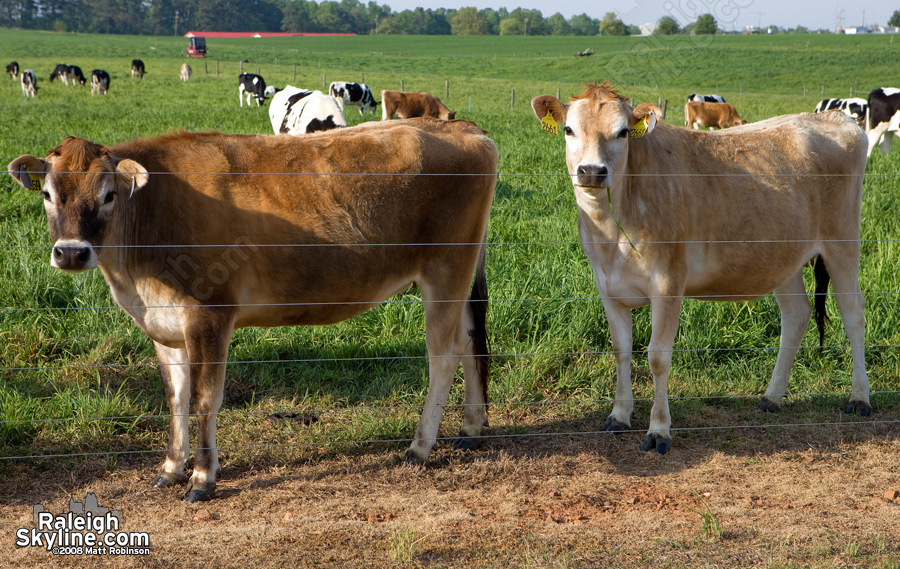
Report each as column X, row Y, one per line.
column 863, row 409
column 767, row 406
column 465, row 442
column 659, row 443
column 198, row 493
column 412, row 460
column 614, row 426
column 165, row 480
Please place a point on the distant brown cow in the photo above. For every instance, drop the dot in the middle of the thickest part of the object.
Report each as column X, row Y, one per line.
column 409, row 105
column 711, row 115
column 343, row 233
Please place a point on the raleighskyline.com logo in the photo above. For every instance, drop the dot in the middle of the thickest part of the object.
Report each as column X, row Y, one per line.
column 86, row 529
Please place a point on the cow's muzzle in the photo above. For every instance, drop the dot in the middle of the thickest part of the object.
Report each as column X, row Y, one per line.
column 591, row 175
column 73, row 256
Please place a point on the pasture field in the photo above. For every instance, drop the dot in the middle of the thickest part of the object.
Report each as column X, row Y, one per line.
column 806, row 487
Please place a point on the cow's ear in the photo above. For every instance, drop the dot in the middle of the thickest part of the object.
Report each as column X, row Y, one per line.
column 548, row 104
column 644, row 119
column 132, row 175
column 29, row 171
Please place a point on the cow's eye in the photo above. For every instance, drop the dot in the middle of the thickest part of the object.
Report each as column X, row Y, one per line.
column 568, row 131
column 46, row 195
column 623, row 133
column 109, row 197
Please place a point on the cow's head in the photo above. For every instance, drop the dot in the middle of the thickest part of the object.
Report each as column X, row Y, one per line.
column 82, row 184
column 598, row 125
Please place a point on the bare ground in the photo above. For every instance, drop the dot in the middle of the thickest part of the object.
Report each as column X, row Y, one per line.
column 782, row 497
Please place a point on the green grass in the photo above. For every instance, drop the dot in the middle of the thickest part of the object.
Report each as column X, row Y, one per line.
column 59, row 334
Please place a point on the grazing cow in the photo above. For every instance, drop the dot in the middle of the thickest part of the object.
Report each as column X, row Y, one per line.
column 317, row 247
column 76, row 75
column 727, row 215
column 254, row 86
column 13, row 70
column 883, row 118
column 298, row 111
column 185, row 72
column 137, row 68
column 408, row 105
column 705, row 98
column 99, row 82
column 353, row 94
column 61, row 72
column 855, row 108
column 711, row 115
column 29, row 83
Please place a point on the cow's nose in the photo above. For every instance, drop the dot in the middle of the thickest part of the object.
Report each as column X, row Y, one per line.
column 591, row 174
column 71, row 257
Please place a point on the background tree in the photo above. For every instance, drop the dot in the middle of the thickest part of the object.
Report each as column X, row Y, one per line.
column 470, row 22
column 705, row 25
column 557, row 25
column 611, row 25
column 584, row 25
column 667, row 26
column 512, row 26
column 894, row 22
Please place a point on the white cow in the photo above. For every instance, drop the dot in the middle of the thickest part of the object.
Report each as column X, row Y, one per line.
column 300, row 111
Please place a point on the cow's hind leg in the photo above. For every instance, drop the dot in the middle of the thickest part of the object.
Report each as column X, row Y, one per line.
column 207, row 339
column 843, row 267
column 795, row 312
column 173, row 365
column 476, row 363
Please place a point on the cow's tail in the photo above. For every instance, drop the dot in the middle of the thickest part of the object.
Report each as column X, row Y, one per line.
column 822, row 278
column 868, row 118
column 478, row 307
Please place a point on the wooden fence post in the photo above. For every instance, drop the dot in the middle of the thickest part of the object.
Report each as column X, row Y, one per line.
column 323, row 81
column 295, row 73
column 217, row 68
column 512, row 98
column 446, row 89
column 401, row 85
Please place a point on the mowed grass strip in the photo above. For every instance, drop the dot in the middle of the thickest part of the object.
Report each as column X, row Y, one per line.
column 69, row 356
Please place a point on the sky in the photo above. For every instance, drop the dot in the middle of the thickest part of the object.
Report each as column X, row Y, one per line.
column 729, row 14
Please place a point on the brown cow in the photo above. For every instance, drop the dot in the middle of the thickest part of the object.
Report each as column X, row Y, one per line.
column 409, row 105
column 711, row 115
column 729, row 215
column 192, row 256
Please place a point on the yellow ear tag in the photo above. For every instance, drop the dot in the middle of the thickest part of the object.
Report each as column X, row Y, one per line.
column 549, row 125
column 31, row 180
column 643, row 125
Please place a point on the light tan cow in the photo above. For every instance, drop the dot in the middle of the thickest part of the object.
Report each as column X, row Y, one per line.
column 711, row 115
column 185, row 72
column 728, row 215
column 192, row 255
column 409, row 105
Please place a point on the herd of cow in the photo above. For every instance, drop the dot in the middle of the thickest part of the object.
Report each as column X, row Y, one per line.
column 313, row 234
column 877, row 115
column 70, row 73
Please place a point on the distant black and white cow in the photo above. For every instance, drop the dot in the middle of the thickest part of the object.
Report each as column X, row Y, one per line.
column 254, row 86
column 61, row 72
column 137, row 68
column 298, row 111
column 29, row 83
column 705, row 98
column 75, row 74
column 13, row 70
column 883, row 118
column 854, row 107
column 353, row 94
column 99, row 82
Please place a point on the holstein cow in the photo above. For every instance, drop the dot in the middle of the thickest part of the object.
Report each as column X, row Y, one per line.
column 353, row 94
column 185, row 72
column 137, row 68
column 705, row 98
column 883, row 119
column 711, row 115
column 29, row 83
column 666, row 213
column 855, row 107
column 254, row 86
column 298, row 111
column 13, row 70
column 350, row 229
column 99, row 82
column 408, row 105
column 61, row 72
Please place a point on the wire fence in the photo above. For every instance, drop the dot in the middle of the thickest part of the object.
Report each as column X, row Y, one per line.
column 393, row 408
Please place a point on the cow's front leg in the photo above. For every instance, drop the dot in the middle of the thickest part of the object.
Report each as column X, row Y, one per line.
column 665, row 309
column 207, row 340
column 173, row 365
column 620, row 333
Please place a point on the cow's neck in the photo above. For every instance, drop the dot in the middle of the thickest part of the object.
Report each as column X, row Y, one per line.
column 600, row 214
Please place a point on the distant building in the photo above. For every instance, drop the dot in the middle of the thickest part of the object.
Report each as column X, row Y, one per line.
column 648, row 29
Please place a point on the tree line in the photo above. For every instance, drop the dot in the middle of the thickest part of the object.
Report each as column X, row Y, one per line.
column 175, row 17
